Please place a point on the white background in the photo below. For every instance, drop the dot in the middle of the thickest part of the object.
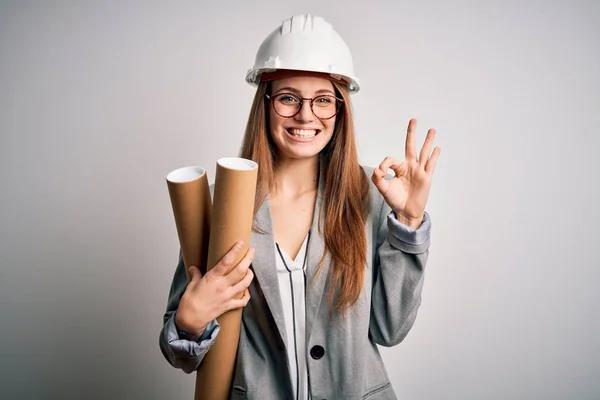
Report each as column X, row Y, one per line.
column 100, row 100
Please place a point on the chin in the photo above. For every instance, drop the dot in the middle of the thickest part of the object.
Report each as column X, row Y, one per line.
column 301, row 155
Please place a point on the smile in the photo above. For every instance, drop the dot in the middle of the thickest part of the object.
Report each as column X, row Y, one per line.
column 303, row 133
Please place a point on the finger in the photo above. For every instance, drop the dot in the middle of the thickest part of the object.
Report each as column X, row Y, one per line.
column 398, row 167
column 389, row 163
column 241, row 302
column 242, row 285
column 228, row 260
column 377, row 176
column 426, row 149
column 409, row 151
column 430, row 166
column 237, row 273
column 194, row 273
column 378, row 179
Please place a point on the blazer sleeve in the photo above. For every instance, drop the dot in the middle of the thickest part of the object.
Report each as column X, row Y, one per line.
column 180, row 352
column 399, row 261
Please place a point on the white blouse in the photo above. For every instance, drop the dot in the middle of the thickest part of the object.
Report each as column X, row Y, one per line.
column 292, row 282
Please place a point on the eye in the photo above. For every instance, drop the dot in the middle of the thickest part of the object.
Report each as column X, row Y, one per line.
column 287, row 98
column 324, row 100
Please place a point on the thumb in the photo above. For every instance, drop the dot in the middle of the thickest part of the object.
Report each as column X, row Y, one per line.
column 378, row 179
column 195, row 273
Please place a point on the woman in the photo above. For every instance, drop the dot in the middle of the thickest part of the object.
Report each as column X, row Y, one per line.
column 336, row 261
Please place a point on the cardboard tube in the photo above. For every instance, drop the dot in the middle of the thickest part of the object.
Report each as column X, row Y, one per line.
column 232, row 218
column 192, row 208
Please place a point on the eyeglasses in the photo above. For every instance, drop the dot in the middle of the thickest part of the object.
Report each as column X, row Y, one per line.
column 287, row 105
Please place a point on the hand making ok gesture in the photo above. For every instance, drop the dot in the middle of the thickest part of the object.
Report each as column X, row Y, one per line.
column 407, row 192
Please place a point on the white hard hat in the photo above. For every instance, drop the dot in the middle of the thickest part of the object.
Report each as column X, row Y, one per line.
column 305, row 43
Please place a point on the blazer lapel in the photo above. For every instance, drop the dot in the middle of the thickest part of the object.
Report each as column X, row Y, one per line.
column 264, row 265
column 265, row 271
column 315, row 285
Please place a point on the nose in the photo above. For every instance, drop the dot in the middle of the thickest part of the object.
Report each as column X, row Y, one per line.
column 305, row 114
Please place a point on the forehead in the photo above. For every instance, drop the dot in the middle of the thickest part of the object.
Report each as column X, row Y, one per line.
column 305, row 85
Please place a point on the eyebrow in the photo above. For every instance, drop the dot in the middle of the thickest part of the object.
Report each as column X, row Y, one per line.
column 294, row 90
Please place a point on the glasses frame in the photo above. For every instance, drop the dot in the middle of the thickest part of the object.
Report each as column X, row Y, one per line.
column 339, row 105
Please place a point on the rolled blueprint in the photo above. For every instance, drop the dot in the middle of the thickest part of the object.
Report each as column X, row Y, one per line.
column 192, row 208
column 232, row 218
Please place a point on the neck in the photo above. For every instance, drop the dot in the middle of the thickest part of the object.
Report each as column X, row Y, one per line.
column 294, row 177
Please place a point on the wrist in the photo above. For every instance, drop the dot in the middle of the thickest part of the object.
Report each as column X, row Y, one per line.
column 413, row 223
column 188, row 333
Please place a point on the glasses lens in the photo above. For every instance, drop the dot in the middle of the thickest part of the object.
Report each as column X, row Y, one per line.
column 286, row 105
column 325, row 106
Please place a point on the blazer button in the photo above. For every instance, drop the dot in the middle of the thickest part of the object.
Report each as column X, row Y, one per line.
column 317, row 352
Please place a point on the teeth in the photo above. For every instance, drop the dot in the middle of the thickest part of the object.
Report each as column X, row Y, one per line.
column 305, row 133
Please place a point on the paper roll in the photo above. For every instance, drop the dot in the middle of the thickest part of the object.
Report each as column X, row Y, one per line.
column 192, row 208
column 232, row 218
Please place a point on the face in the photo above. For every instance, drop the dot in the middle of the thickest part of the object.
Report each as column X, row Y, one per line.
column 303, row 135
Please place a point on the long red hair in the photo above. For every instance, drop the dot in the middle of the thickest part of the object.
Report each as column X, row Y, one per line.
column 345, row 197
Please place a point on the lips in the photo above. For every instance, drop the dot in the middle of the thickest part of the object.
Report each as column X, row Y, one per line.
column 303, row 133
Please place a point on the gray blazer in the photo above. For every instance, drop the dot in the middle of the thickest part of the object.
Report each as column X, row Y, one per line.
column 350, row 366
